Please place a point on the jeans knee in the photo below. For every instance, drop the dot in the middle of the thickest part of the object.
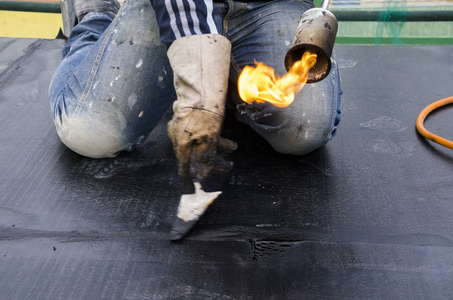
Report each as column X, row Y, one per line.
column 92, row 140
column 290, row 131
column 305, row 135
column 298, row 140
column 309, row 123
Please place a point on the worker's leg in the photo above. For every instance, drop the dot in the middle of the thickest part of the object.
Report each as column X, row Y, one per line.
column 264, row 32
column 114, row 82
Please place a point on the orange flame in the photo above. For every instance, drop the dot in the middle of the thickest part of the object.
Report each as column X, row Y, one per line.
column 260, row 84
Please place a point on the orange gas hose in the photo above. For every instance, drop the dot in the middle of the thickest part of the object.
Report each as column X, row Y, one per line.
column 421, row 118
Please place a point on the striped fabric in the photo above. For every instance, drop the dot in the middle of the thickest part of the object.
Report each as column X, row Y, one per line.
column 178, row 18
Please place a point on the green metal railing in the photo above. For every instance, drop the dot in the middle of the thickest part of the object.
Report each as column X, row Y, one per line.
column 394, row 22
column 393, row 16
column 42, row 7
column 341, row 15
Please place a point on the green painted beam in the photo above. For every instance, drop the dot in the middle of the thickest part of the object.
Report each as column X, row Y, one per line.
column 30, row 6
column 341, row 15
column 393, row 16
column 348, row 40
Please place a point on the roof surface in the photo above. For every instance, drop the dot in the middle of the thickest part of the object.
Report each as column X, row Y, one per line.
column 366, row 216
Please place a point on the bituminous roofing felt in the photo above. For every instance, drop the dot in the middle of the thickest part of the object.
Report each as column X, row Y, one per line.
column 366, row 216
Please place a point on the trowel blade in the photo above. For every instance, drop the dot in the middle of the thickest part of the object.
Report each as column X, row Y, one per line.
column 191, row 208
column 181, row 228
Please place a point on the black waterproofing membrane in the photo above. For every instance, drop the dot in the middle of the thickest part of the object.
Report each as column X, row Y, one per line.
column 370, row 215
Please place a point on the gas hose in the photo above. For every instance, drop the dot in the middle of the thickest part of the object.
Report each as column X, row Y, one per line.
column 422, row 116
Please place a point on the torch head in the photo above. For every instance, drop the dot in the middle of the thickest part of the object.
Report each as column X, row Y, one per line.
column 316, row 33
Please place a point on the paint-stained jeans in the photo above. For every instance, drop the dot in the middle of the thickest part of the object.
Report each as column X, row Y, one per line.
column 115, row 83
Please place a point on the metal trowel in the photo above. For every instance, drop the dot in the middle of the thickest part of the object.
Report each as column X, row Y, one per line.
column 192, row 206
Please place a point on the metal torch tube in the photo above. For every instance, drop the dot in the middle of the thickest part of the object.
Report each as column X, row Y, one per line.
column 315, row 33
column 325, row 4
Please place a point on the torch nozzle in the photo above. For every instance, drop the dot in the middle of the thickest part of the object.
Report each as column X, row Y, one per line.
column 316, row 33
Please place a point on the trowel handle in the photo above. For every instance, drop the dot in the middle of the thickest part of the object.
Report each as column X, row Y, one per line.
column 325, row 4
column 187, row 184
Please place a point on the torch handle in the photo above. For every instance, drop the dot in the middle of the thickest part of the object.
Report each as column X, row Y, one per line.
column 325, row 4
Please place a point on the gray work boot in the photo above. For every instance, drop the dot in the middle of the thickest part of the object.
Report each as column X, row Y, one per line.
column 108, row 7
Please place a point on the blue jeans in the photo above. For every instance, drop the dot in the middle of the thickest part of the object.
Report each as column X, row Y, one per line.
column 115, row 82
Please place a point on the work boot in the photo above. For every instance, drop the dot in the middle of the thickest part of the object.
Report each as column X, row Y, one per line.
column 200, row 66
column 108, row 7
